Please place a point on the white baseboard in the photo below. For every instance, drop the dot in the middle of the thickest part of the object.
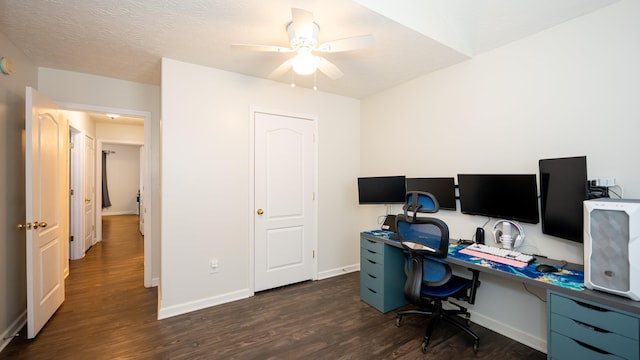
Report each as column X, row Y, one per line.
column 510, row 332
column 338, row 271
column 13, row 329
column 188, row 307
column 180, row 309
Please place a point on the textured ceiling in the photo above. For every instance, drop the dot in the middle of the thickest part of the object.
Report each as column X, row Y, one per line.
column 126, row 39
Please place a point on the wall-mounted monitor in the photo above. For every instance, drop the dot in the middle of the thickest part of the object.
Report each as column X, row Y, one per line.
column 444, row 189
column 382, row 190
column 511, row 197
column 563, row 188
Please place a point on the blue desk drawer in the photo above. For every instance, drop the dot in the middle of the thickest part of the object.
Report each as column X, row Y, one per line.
column 374, row 246
column 374, row 284
column 374, row 270
column 368, row 258
column 382, row 275
column 602, row 340
column 372, row 297
column 596, row 316
column 563, row 347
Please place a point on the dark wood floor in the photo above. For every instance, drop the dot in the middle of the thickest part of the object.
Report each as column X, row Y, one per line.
column 108, row 314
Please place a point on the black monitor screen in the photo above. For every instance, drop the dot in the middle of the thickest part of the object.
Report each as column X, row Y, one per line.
column 512, row 197
column 563, row 188
column 443, row 189
column 381, row 190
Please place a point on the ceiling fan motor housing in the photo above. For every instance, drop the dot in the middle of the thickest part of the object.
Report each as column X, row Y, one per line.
column 305, row 39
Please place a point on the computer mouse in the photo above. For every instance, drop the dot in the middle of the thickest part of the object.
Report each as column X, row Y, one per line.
column 545, row 268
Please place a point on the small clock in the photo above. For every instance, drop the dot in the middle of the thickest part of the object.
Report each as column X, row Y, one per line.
column 6, row 67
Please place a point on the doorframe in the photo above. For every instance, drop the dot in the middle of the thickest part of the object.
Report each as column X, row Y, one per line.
column 76, row 169
column 252, row 118
column 146, row 115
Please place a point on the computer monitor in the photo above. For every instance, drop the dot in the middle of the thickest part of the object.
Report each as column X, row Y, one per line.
column 382, row 190
column 563, row 188
column 443, row 189
column 511, row 197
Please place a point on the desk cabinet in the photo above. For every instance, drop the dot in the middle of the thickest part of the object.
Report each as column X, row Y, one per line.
column 579, row 329
column 382, row 275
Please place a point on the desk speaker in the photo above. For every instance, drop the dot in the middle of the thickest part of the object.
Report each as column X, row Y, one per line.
column 612, row 246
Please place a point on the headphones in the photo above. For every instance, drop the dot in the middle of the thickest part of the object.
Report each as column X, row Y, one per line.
column 503, row 233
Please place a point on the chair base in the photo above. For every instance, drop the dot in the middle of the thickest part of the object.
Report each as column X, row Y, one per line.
column 436, row 313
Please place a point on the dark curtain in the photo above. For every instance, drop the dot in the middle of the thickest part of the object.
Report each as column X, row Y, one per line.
column 106, row 202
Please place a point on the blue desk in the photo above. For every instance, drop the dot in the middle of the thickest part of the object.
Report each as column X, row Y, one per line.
column 570, row 278
column 581, row 323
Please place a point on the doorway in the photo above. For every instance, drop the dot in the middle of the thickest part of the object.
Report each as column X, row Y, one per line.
column 82, row 193
column 146, row 193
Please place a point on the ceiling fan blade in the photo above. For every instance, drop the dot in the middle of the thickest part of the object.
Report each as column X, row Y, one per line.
column 264, row 48
column 281, row 70
column 329, row 69
column 302, row 21
column 348, row 44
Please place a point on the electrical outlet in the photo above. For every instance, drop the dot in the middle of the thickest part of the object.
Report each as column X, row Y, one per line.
column 608, row 181
column 213, row 266
column 604, row 182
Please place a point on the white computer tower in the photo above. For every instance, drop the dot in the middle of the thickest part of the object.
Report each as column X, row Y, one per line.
column 612, row 246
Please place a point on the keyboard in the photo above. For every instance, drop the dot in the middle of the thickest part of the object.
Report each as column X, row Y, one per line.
column 504, row 256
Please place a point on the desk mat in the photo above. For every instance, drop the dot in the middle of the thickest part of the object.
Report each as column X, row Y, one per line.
column 566, row 278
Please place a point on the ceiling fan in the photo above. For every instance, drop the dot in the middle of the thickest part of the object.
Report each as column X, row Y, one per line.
column 303, row 40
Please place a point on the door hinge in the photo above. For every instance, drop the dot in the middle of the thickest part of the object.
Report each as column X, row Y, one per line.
column 313, row 197
column 71, row 238
column 71, row 192
column 313, row 254
column 71, row 146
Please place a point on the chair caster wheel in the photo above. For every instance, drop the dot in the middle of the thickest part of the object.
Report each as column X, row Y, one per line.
column 398, row 320
column 476, row 344
column 424, row 346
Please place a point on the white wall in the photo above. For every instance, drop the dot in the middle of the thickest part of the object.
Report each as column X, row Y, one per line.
column 120, row 133
column 123, row 178
column 571, row 90
column 82, row 122
column 13, row 281
column 97, row 91
column 205, row 192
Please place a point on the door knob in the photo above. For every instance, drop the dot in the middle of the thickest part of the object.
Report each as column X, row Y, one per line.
column 86, row 201
column 37, row 224
column 26, row 226
column 260, row 211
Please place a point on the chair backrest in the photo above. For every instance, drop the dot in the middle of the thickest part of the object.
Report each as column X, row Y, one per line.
column 427, row 241
column 427, row 235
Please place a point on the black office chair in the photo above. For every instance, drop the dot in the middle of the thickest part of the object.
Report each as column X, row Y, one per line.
column 430, row 281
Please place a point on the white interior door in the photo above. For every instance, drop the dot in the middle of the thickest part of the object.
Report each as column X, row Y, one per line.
column 46, row 226
column 284, row 195
column 89, row 191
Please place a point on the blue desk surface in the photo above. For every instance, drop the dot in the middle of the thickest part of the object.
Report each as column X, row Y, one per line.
column 565, row 278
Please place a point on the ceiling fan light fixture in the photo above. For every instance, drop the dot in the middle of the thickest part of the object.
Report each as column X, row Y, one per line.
column 305, row 63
